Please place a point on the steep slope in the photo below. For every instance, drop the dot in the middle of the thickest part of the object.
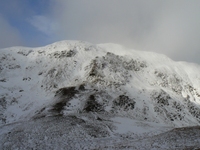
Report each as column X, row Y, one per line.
column 71, row 77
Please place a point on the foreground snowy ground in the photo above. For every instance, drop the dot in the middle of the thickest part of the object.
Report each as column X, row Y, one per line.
column 81, row 132
column 75, row 95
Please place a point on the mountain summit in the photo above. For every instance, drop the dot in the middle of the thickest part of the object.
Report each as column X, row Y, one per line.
column 95, row 84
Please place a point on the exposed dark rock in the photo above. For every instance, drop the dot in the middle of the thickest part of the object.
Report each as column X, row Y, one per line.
column 82, row 87
column 66, row 92
column 40, row 73
column 3, row 80
column 124, row 102
column 71, row 53
column 161, row 98
column 92, row 105
column 64, row 95
column 194, row 110
column 59, row 107
column 135, row 65
column 63, row 54
column 3, row 102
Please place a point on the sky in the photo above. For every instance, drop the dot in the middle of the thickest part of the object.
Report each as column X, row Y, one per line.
column 170, row 27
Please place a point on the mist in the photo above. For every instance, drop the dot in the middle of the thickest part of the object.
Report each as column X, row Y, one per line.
column 168, row 27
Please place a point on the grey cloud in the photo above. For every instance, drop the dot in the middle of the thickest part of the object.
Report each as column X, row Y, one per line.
column 169, row 27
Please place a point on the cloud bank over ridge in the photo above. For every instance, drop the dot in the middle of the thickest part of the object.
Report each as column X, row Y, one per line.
column 168, row 27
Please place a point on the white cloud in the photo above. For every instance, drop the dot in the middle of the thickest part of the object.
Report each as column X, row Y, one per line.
column 9, row 35
column 169, row 27
column 44, row 24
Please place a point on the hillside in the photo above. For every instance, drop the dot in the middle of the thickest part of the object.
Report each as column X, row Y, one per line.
column 106, row 91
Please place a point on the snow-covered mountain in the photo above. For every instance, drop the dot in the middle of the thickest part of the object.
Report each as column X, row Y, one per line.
column 96, row 83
